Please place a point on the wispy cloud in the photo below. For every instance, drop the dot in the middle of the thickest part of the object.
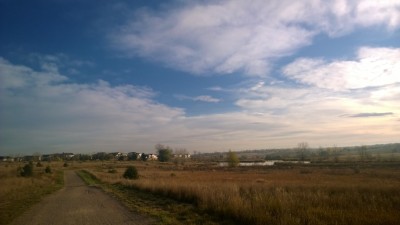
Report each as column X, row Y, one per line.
column 200, row 98
column 221, row 37
column 369, row 114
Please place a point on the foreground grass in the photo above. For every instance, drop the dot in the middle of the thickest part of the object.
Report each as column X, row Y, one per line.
column 356, row 194
column 18, row 194
column 166, row 210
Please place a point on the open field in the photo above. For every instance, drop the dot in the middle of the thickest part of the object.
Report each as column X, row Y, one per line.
column 18, row 193
column 204, row 193
column 287, row 194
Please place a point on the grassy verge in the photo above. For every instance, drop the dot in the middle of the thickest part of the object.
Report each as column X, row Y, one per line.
column 88, row 178
column 23, row 193
column 166, row 210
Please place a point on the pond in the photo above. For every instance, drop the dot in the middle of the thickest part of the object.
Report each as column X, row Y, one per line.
column 264, row 163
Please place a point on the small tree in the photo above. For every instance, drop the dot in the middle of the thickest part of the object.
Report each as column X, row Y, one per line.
column 164, row 153
column 131, row 173
column 233, row 159
column 27, row 170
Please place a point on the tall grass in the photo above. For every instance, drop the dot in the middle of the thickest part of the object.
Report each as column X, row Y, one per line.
column 278, row 196
column 18, row 193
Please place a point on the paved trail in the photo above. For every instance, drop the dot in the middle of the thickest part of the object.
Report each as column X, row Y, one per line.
column 79, row 204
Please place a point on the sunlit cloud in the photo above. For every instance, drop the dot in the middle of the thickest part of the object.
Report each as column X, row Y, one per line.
column 372, row 67
column 203, row 37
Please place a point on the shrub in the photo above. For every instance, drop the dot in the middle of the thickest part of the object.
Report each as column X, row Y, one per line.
column 27, row 170
column 131, row 173
column 164, row 154
column 38, row 164
column 48, row 169
column 66, row 164
column 233, row 160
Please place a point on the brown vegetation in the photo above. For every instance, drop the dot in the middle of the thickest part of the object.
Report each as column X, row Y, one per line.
column 18, row 193
column 287, row 194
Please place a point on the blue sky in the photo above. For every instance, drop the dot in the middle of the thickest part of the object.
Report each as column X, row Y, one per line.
column 87, row 76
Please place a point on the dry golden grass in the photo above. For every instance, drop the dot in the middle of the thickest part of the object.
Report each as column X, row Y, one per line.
column 19, row 193
column 286, row 195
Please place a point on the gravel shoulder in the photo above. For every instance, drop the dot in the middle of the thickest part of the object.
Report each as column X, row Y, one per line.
column 77, row 204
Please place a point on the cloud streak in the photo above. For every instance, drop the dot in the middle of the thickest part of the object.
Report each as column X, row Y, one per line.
column 200, row 98
column 358, row 115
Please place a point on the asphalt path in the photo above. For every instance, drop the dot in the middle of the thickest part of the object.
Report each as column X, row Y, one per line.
column 79, row 204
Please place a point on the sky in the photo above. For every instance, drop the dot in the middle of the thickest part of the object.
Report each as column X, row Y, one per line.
column 85, row 76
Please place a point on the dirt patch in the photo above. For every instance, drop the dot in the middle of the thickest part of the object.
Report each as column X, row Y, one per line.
column 77, row 204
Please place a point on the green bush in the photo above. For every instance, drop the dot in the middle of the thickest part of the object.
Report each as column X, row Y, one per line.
column 48, row 169
column 131, row 173
column 233, row 159
column 164, row 154
column 27, row 170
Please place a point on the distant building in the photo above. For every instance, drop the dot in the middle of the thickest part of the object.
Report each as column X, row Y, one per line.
column 6, row 159
column 152, row 157
column 185, row 156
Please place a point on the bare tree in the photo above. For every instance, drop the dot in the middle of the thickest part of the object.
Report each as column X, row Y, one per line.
column 302, row 149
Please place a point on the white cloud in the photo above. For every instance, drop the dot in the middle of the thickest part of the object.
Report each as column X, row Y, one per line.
column 372, row 67
column 205, row 37
column 325, row 116
column 43, row 111
column 206, row 98
column 200, row 98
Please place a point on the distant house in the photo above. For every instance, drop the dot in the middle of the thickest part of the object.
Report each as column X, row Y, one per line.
column 134, row 156
column 119, row 155
column 67, row 155
column 6, row 159
column 152, row 157
column 185, row 156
